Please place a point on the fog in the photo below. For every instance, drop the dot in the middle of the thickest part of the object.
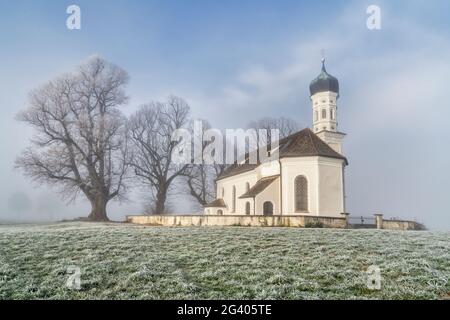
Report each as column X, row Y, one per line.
column 393, row 102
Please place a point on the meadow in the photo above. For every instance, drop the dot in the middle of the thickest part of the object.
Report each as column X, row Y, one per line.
column 122, row 261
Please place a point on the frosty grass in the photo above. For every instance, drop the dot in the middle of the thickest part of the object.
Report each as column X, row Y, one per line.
column 120, row 261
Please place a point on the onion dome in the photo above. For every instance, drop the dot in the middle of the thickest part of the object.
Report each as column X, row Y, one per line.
column 324, row 82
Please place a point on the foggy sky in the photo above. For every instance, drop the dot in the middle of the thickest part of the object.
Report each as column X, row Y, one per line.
column 235, row 62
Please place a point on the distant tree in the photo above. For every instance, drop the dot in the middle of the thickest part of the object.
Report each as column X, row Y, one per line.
column 19, row 203
column 150, row 130
column 80, row 134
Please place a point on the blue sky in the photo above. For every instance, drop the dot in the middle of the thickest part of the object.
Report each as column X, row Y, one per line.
column 235, row 61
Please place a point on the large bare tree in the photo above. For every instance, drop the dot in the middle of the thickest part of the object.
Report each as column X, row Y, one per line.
column 201, row 177
column 151, row 130
column 80, row 140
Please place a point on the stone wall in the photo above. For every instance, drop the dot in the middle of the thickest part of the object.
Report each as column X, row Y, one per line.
column 401, row 225
column 229, row 220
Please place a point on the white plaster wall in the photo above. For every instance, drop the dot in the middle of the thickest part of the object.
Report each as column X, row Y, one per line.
column 240, row 182
column 325, row 188
column 328, row 101
column 333, row 139
column 331, row 188
column 290, row 169
column 268, row 169
column 272, row 194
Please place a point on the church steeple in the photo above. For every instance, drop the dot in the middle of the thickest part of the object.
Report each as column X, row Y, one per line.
column 324, row 94
column 324, row 91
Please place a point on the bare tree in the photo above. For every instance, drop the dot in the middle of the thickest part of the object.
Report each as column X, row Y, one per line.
column 201, row 177
column 150, row 130
column 80, row 138
column 285, row 126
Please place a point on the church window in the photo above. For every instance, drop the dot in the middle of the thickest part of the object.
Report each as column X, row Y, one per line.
column 247, row 187
column 331, row 114
column 223, row 193
column 219, row 212
column 301, row 194
column 247, row 208
column 233, row 200
column 324, row 113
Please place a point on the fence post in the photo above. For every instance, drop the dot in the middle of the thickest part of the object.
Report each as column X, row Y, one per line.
column 379, row 220
column 346, row 214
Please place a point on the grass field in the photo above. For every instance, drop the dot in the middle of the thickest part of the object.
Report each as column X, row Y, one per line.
column 119, row 261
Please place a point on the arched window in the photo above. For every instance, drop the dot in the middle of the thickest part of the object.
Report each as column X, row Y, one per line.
column 331, row 114
column 223, row 193
column 220, row 212
column 324, row 113
column 301, row 194
column 233, row 200
column 316, row 115
column 247, row 208
column 268, row 208
column 247, row 187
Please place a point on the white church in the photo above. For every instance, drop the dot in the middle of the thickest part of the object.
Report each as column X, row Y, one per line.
column 307, row 179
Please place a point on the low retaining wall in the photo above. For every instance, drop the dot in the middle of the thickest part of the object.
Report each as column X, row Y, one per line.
column 247, row 221
column 401, row 225
column 395, row 224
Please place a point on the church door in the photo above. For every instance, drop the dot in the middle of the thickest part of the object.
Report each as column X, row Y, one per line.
column 268, row 208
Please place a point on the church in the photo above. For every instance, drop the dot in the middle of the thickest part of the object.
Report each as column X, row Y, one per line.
column 308, row 178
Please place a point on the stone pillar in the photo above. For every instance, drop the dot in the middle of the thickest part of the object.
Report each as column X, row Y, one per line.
column 345, row 215
column 379, row 220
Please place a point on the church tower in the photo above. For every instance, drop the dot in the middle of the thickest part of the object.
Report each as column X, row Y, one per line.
column 324, row 92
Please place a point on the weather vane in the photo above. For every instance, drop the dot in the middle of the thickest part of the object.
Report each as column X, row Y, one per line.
column 322, row 53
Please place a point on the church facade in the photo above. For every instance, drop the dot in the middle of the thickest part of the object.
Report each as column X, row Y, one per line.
column 308, row 178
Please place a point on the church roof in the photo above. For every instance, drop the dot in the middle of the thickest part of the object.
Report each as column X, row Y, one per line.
column 324, row 82
column 259, row 187
column 218, row 203
column 304, row 143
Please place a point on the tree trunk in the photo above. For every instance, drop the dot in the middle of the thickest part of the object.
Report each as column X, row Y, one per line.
column 160, row 205
column 98, row 212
